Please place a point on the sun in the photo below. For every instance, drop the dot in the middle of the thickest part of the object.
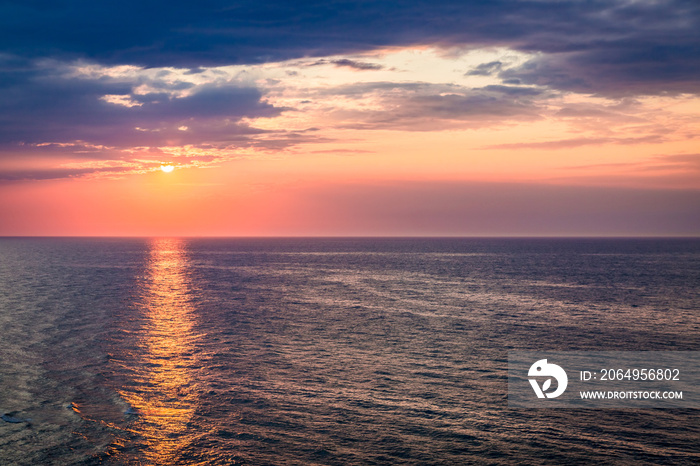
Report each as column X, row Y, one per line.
column 167, row 168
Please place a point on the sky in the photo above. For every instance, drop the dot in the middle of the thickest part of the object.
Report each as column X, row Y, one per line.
column 350, row 118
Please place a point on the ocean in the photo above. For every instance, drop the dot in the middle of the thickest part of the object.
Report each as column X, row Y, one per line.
column 330, row 351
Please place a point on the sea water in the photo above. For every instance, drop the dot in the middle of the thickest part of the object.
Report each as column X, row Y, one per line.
column 329, row 351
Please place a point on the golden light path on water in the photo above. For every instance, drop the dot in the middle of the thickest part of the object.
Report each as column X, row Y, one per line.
column 165, row 394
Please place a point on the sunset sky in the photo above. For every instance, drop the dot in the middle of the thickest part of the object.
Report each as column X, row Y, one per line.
column 473, row 118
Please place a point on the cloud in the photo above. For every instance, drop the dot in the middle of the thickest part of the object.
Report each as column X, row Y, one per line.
column 685, row 163
column 667, row 171
column 103, row 80
column 48, row 105
column 342, row 151
column 347, row 63
column 486, row 69
column 56, row 173
column 512, row 90
column 578, row 142
column 427, row 107
column 606, row 47
column 616, row 71
column 357, row 65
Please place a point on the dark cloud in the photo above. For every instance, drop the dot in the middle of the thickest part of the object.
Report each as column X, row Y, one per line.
column 361, row 89
column 610, row 47
column 616, row 71
column 346, row 62
column 512, row 90
column 486, row 69
column 47, row 106
column 358, row 65
column 210, row 101
column 55, row 173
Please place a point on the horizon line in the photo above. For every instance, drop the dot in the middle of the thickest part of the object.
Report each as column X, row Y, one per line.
column 612, row 236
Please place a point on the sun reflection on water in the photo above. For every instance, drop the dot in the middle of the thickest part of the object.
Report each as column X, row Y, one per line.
column 163, row 394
